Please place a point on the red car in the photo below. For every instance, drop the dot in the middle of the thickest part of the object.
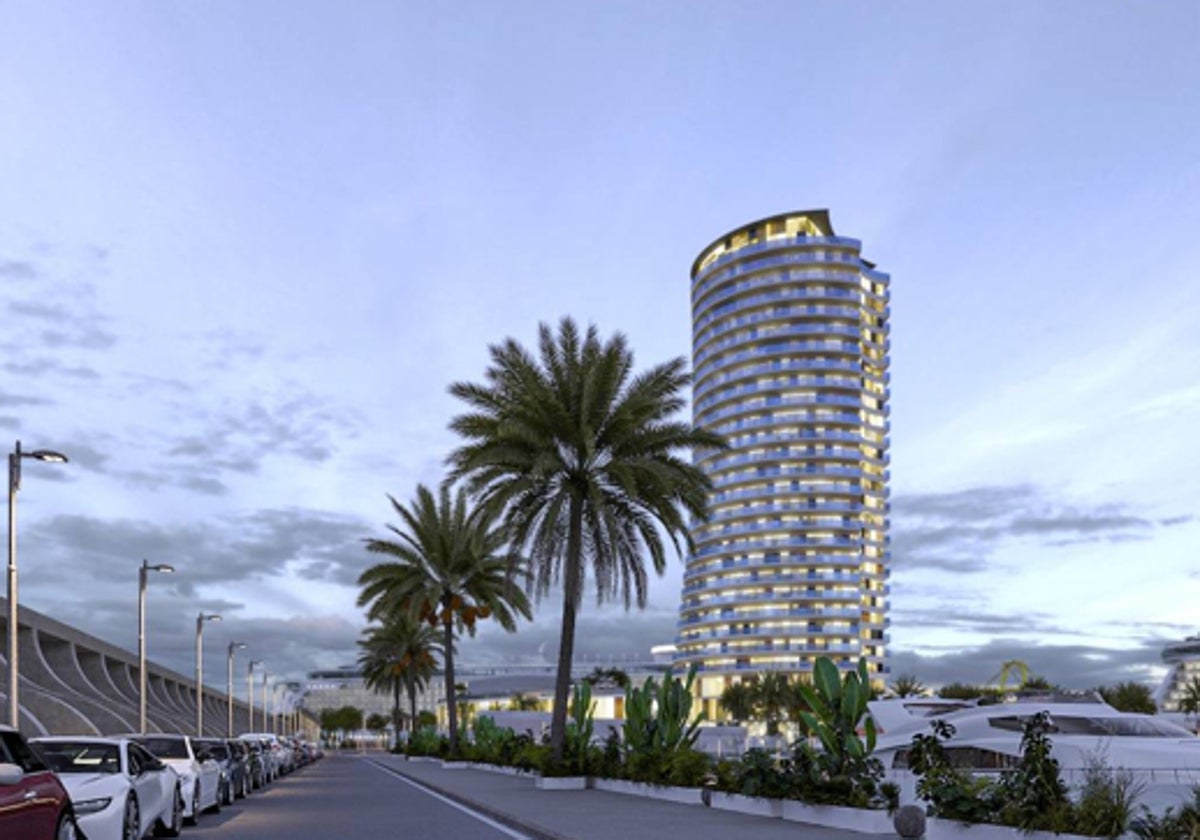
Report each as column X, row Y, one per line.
column 33, row 803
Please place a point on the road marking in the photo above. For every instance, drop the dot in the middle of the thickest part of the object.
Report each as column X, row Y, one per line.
column 471, row 812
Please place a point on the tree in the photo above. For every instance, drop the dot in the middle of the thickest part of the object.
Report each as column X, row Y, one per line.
column 611, row 677
column 1189, row 704
column 376, row 723
column 448, row 569
column 906, row 685
column 584, row 460
column 738, row 700
column 399, row 654
column 772, row 696
column 1130, row 696
column 523, row 703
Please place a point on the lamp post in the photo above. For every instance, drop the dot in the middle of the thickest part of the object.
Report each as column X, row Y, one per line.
column 14, row 484
column 265, row 720
column 200, row 619
column 250, row 688
column 229, row 687
column 143, row 574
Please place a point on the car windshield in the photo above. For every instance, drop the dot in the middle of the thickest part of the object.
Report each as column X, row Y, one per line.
column 166, row 747
column 80, row 757
column 219, row 751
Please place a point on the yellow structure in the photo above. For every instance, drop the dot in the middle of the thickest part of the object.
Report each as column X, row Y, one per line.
column 790, row 359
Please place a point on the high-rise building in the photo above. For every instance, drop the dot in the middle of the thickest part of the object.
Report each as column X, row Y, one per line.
column 790, row 360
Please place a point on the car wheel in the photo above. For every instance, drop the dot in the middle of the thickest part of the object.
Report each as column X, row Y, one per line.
column 131, row 825
column 66, row 829
column 215, row 808
column 195, row 806
column 176, row 825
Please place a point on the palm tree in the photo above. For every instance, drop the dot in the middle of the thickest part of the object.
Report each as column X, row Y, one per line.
column 447, row 569
column 738, row 700
column 399, row 654
column 906, row 685
column 585, row 461
column 1189, row 704
column 772, row 696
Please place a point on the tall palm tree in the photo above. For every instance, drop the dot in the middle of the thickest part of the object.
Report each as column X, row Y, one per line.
column 906, row 685
column 738, row 700
column 587, row 465
column 448, row 567
column 399, row 654
column 1189, row 704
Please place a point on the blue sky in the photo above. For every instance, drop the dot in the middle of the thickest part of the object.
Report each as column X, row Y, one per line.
column 244, row 248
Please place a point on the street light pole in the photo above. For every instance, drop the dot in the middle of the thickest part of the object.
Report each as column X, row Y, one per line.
column 143, row 574
column 200, row 619
column 229, row 687
column 14, row 484
column 264, row 700
column 250, row 688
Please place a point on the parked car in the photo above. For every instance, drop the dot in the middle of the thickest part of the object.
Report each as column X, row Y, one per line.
column 34, row 804
column 241, row 753
column 233, row 769
column 272, row 760
column 119, row 790
column 199, row 774
column 256, row 766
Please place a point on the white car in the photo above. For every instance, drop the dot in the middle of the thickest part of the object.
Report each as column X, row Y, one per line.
column 119, row 790
column 199, row 774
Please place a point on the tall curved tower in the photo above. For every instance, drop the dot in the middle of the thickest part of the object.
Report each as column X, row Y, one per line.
column 790, row 359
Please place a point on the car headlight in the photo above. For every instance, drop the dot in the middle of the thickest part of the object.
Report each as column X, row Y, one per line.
column 91, row 806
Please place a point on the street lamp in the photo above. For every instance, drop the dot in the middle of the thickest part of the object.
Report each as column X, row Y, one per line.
column 14, row 484
column 229, row 687
column 266, row 722
column 143, row 574
column 250, row 689
column 200, row 619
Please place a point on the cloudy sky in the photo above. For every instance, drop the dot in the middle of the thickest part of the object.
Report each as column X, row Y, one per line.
column 245, row 247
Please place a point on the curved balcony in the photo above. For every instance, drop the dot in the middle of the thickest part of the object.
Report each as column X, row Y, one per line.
column 801, row 372
column 844, row 340
column 706, row 583
column 729, row 362
column 849, row 322
column 789, row 302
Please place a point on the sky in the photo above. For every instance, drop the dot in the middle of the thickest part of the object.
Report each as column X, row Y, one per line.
column 246, row 247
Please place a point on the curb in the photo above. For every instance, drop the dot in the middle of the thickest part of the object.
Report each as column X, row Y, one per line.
column 534, row 831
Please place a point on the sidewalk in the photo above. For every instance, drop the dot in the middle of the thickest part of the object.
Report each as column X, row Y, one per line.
column 595, row 814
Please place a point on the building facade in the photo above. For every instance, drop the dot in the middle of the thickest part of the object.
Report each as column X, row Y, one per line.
column 790, row 363
column 1183, row 661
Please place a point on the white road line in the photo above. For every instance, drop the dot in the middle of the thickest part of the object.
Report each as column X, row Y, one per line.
column 501, row 827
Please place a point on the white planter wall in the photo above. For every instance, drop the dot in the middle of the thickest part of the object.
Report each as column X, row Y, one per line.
column 863, row 820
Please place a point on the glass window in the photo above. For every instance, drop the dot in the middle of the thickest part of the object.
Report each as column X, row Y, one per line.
column 165, row 747
column 20, row 754
column 81, row 757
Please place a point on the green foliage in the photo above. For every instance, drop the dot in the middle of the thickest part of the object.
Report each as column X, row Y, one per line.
column 376, row 722
column 1130, row 696
column 1174, row 824
column 839, row 707
column 906, row 685
column 1189, row 704
column 426, row 719
column 738, row 700
column 1030, row 796
column 1033, row 792
column 658, row 726
column 449, row 567
column 1107, row 801
column 951, row 793
column 580, row 726
column 427, row 742
column 345, row 719
column 757, row 774
column 965, row 691
column 588, row 463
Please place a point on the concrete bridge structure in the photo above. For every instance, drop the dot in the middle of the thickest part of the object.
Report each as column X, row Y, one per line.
column 72, row 683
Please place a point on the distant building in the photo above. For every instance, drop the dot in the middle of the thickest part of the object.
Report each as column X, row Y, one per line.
column 790, row 364
column 1183, row 660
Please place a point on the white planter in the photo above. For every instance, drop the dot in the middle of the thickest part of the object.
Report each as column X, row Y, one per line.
column 937, row 828
column 502, row 769
column 424, row 758
column 755, row 806
column 862, row 820
column 456, row 765
column 561, row 782
column 665, row 793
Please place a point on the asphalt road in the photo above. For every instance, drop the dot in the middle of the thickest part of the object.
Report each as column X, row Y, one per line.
column 344, row 797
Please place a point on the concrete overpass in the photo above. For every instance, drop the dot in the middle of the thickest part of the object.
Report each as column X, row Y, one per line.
column 75, row 684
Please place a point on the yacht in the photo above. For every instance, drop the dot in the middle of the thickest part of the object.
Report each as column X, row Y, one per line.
column 1163, row 757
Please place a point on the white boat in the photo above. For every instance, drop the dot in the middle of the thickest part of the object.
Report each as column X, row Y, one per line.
column 1160, row 755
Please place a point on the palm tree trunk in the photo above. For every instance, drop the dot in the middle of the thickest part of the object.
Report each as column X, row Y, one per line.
column 412, row 705
column 451, row 700
column 396, row 711
column 566, row 641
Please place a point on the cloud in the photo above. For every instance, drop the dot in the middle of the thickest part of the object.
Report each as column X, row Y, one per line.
column 957, row 531
column 17, row 270
column 1072, row 666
